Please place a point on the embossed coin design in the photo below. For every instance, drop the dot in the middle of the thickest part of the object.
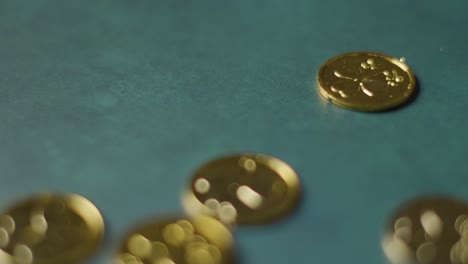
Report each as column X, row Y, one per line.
column 366, row 81
column 50, row 229
column 200, row 240
column 428, row 231
column 243, row 189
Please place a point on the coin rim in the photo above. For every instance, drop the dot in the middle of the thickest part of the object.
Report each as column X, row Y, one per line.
column 193, row 206
column 397, row 101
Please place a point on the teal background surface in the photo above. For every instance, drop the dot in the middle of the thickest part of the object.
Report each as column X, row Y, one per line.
column 120, row 101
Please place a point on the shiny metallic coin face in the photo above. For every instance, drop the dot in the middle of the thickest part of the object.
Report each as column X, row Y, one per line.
column 243, row 189
column 429, row 230
column 50, row 229
column 366, row 81
column 200, row 240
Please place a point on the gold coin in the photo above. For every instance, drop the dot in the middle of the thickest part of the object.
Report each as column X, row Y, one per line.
column 427, row 230
column 200, row 240
column 243, row 189
column 366, row 81
column 50, row 229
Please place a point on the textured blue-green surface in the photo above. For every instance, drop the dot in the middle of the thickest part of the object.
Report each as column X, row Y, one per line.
column 121, row 100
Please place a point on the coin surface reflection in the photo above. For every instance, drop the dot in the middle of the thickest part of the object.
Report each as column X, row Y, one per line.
column 243, row 189
column 200, row 240
column 50, row 229
column 428, row 230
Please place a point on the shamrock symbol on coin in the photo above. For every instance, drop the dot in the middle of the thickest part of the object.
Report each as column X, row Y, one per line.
column 360, row 87
column 392, row 78
column 369, row 64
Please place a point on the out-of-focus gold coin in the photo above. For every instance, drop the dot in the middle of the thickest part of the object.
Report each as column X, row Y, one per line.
column 428, row 231
column 366, row 81
column 50, row 229
column 200, row 240
column 243, row 189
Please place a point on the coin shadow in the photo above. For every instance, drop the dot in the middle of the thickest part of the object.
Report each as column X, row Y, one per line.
column 107, row 238
column 282, row 222
column 237, row 256
column 295, row 211
column 292, row 214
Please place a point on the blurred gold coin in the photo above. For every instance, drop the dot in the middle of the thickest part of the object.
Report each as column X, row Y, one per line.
column 200, row 240
column 243, row 189
column 365, row 81
column 50, row 229
column 427, row 230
